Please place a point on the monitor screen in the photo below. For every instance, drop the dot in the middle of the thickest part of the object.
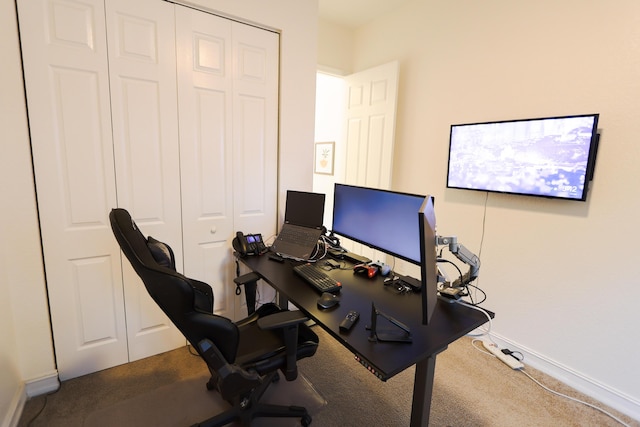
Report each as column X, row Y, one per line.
column 381, row 219
column 428, row 259
column 305, row 209
column 549, row 157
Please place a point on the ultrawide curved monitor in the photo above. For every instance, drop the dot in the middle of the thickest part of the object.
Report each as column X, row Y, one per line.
column 381, row 219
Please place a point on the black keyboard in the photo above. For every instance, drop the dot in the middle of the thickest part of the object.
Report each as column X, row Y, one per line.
column 302, row 236
column 317, row 278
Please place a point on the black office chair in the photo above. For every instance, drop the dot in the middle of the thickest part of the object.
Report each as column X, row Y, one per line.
column 243, row 357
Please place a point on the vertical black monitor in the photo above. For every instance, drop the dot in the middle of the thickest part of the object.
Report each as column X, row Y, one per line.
column 381, row 219
column 428, row 255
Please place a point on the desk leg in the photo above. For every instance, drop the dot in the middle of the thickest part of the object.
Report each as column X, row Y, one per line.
column 422, row 390
column 283, row 302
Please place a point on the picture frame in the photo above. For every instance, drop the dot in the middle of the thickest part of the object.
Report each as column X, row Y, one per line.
column 324, row 158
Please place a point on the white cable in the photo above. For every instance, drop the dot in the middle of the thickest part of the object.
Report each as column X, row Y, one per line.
column 575, row 400
column 556, row 392
column 481, row 350
column 486, row 332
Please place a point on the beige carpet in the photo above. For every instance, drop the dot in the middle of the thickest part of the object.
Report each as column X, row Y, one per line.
column 186, row 402
column 471, row 389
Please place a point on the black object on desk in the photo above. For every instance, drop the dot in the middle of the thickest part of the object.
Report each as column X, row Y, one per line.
column 350, row 319
column 317, row 278
column 328, row 300
column 383, row 359
column 401, row 334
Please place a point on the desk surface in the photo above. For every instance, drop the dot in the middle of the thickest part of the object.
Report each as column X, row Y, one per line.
column 449, row 322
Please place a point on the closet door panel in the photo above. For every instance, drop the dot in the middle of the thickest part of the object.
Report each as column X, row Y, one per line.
column 255, row 120
column 66, row 77
column 141, row 43
column 255, row 138
column 205, row 95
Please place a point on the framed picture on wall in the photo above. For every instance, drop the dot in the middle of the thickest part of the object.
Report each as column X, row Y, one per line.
column 324, row 158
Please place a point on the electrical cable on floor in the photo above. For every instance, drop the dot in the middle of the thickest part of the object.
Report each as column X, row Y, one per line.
column 557, row 393
column 575, row 400
column 44, row 405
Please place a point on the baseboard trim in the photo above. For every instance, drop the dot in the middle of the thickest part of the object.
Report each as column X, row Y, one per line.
column 36, row 387
column 601, row 392
column 12, row 417
column 43, row 385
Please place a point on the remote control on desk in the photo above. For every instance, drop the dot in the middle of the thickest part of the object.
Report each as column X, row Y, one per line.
column 350, row 319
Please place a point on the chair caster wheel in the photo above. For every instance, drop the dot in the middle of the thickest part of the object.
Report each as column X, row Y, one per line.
column 275, row 378
column 305, row 421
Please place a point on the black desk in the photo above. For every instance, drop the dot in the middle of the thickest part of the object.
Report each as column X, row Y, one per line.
column 383, row 359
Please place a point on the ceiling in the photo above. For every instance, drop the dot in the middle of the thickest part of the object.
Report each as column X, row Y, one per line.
column 355, row 13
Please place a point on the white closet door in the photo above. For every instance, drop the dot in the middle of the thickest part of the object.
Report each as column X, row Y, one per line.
column 205, row 96
column 142, row 70
column 255, row 136
column 228, row 80
column 255, row 129
column 65, row 63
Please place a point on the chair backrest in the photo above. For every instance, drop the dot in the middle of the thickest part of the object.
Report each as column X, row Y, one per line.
column 174, row 293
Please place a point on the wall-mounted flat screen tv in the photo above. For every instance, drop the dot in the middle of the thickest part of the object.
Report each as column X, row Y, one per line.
column 551, row 157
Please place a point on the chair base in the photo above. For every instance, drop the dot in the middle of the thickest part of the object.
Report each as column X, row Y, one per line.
column 248, row 409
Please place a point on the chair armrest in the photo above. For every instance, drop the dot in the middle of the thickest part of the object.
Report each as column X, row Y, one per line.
column 288, row 322
column 252, row 276
column 282, row 319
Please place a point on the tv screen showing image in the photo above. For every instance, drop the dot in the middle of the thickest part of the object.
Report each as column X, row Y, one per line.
column 550, row 157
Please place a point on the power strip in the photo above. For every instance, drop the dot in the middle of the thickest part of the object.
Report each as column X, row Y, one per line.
column 508, row 360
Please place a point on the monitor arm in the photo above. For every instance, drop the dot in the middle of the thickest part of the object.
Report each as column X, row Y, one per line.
column 464, row 255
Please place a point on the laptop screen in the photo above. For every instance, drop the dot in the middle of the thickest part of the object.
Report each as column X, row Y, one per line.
column 305, row 209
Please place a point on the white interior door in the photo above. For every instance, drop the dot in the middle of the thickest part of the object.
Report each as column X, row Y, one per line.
column 255, row 135
column 142, row 68
column 255, row 128
column 371, row 118
column 205, row 87
column 104, row 128
column 227, row 86
column 370, row 131
column 66, row 74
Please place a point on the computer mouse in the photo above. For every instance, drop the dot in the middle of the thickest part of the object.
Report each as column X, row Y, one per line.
column 328, row 300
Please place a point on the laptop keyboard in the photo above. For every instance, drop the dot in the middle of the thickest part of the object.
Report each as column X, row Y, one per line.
column 300, row 236
column 317, row 278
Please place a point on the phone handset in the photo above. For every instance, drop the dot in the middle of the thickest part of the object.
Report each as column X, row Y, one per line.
column 248, row 244
column 240, row 244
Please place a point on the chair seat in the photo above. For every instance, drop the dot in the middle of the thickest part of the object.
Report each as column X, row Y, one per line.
column 264, row 350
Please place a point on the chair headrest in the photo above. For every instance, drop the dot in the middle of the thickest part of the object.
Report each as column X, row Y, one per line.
column 130, row 239
column 162, row 253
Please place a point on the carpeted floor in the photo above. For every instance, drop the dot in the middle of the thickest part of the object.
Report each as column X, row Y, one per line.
column 471, row 389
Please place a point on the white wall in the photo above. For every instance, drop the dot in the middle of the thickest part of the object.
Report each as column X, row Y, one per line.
column 9, row 362
column 560, row 275
column 25, row 339
column 331, row 95
column 335, row 48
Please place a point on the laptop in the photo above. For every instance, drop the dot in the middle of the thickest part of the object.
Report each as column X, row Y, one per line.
column 303, row 217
